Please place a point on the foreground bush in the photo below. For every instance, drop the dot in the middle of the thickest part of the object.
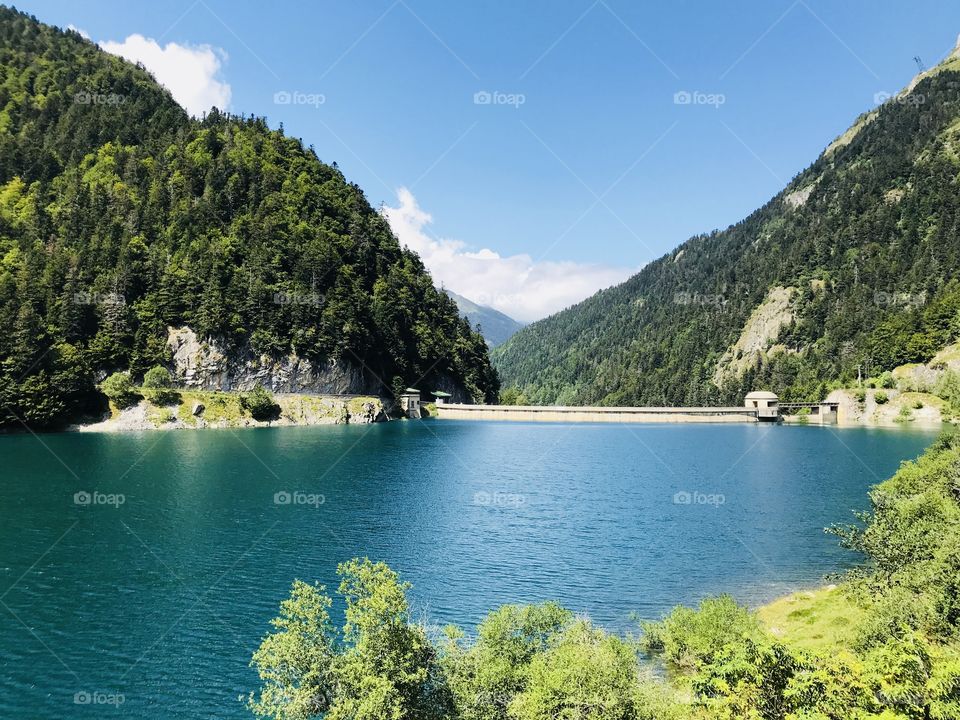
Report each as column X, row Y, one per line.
column 380, row 665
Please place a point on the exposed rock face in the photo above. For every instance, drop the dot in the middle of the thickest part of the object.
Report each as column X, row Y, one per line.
column 798, row 198
column 206, row 365
column 899, row 409
column 759, row 333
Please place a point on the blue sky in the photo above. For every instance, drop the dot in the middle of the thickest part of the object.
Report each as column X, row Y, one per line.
column 582, row 166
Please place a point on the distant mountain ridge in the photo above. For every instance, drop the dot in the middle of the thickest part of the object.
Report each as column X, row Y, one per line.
column 852, row 268
column 495, row 326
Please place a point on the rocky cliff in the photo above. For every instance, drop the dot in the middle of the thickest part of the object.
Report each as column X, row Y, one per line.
column 206, row 364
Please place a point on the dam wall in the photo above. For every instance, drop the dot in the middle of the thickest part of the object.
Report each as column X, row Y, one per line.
column 546, row 413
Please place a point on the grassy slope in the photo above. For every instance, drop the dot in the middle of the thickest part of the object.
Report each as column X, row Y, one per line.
column 819, row 620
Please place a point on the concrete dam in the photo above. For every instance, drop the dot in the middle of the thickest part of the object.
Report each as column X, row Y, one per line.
column 758, row 406
column 546, row 413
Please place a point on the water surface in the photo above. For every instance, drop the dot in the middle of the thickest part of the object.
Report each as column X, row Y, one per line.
column 164, row 596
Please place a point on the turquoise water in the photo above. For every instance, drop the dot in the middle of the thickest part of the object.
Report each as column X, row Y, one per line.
column 154, row 584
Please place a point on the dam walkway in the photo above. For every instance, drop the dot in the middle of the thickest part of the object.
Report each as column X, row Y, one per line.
column 562, row 413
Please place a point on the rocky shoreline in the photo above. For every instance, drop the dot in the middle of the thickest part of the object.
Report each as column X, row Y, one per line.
column 199, row 409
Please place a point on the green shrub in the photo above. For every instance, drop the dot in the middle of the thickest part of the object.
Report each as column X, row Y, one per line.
column 119, row 389
column 904, row 415
column 860, row 395
column 260, row 403
column 948, row 388
column 880, row 397
column 585, row 666
column 513, row 396
column 158, row 387
column 691, row 638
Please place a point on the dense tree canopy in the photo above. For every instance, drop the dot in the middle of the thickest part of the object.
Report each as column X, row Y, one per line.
column 121, row 216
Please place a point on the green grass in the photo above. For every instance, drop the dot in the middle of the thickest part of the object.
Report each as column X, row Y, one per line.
column 160, row 415
column 218, row 406
column 821, row 620
column 355, row 405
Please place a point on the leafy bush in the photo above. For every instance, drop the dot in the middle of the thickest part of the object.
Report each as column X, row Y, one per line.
column 158, row 386
column 381, row 665
column 119, row 389
column 513, row 396
column 486, row 675
column 583, row 662
column 880, row 397
column 691, row 638
column 260, row 403
column 948, row 388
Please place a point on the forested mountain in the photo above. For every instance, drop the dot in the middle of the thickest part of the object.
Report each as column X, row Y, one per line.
column 121, row 216
column 495, row 326
column 855, row 266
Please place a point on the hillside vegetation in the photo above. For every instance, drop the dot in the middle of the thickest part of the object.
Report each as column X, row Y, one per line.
column 121, row 216
column 854, row 266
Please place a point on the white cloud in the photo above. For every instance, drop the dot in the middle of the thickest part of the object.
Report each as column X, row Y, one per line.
column 523, row 288
column 190, row 73
column 83, row 33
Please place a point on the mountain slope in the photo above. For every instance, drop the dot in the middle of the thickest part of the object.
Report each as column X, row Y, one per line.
column 495, row 326
column 120, row 218
column 853, row 265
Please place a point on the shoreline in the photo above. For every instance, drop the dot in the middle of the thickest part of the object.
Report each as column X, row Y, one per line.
column 219, row 410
